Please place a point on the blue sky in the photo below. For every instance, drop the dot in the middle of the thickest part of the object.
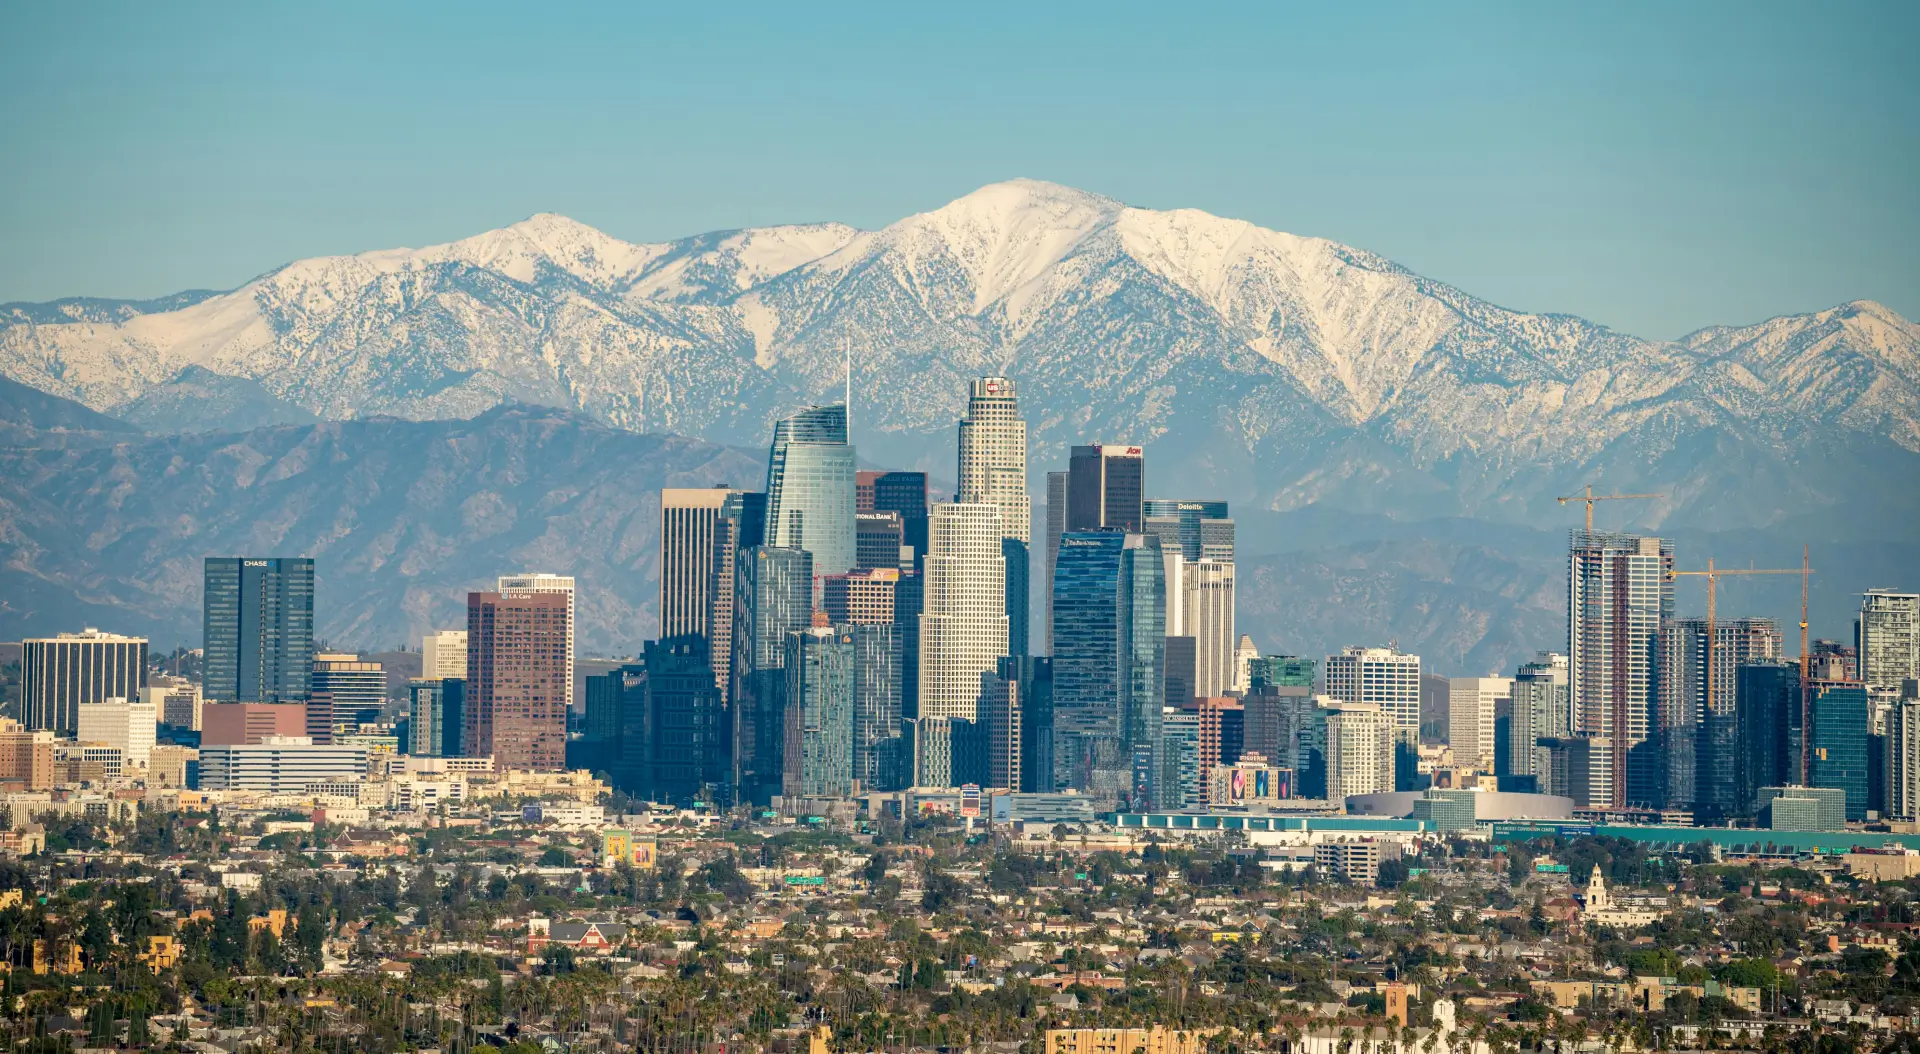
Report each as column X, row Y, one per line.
column 1655, row 167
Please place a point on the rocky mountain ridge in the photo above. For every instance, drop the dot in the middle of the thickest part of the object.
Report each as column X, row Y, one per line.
column 1277, row 370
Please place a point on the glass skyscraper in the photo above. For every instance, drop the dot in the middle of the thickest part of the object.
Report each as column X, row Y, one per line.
column 819, row 729
column 810, row 488
column 1109, row 682
column 772, row 597
column 685, row 736
column 876, row 704
column 1766, row 731
column 257, row 628
column 1842, row 720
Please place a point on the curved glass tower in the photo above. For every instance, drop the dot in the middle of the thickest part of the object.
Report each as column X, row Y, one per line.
column 810, row 488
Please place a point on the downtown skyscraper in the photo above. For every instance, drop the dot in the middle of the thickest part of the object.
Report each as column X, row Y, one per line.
column 1103, row 488
column 562, row 585
column 810, row 488
column 516, row 699
column 702, row 533
column 257, row 627
column 993, row 470
column 772, row 597
column 963, row 627
column 1109, row 651
column 1887, row 638
column 1697, row 731
column 1619, row 595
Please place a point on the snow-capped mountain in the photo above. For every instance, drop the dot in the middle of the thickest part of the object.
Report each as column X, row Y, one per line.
column 1273, row 369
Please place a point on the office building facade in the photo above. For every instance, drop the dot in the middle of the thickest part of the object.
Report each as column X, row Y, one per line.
column 1620, row 594
column 435, row 723
column 1767, row 739
column 1197, row 529
column 693, row 530
column 685, row 731
column 280, row 765
column 1697, row 721
column 561, row 585
column 1472, row 703
column 128, row 725
column 59, row 674
column 993, row 470
column 1109, row 650
column 1106, row 488
column 355, row 687
column 257, row 629
column 1385, row 677
column 443, row 654
column 810, row 488
column 963, row 627
column 1838, row 755
column 518, row 649
column 862, row 598
column 1206, row 600
column 773, row 596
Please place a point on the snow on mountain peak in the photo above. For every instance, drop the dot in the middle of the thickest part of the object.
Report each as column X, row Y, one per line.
column 1003, row 235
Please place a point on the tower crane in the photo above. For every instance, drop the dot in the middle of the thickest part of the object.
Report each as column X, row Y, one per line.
column 1590, row 497
column 1713, row 575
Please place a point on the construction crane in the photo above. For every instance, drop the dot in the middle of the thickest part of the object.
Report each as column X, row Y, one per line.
column 1590, row 497
column 1713, row 575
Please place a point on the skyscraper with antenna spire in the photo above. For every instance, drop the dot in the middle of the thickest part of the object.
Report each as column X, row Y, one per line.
column 810, row 488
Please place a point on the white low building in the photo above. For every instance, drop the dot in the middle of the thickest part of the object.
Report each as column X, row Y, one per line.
column 280, row 765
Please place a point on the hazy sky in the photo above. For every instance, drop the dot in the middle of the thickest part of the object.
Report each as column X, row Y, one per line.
column 1656, row 168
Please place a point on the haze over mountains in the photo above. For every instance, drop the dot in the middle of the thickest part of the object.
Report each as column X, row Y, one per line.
column 1336, row 398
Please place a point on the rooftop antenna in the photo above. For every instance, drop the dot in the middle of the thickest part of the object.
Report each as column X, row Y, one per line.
column 846, row 346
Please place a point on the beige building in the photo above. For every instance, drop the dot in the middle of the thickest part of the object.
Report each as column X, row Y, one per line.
column 1156, row 1040
column 443, row 655
column 26, row 757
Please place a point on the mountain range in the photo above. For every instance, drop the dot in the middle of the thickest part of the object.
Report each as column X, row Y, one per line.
column 1304, row 380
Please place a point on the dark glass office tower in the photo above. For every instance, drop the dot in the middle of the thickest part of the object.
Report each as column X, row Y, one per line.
column 905, row 493
column 1106, row 487
column 257, row 627
column 1109, row 654
column 1199, row 529
column 1766, row 731
column 1842, row 717
column 434, row 716
column 686, row 735
column 773, row 596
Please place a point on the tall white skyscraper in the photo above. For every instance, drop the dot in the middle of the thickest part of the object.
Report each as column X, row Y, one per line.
column 1385, row 677
column 538, row 582
column 963, row 625
column 1359, row 749
column 993, row 470
column 1471, row 703
column 993, row 456
column 1206, row 597
column 443, row 654
column 1889, row 639
column 1619, row 596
